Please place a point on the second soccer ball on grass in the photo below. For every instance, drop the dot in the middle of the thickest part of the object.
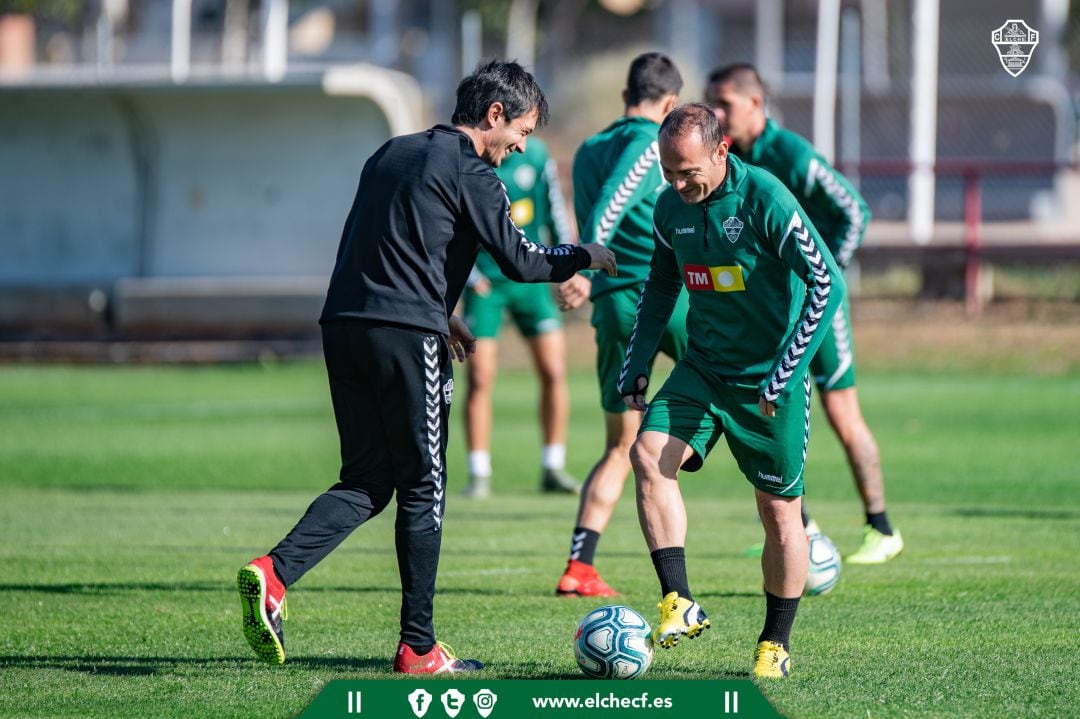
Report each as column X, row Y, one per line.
column 824, row 570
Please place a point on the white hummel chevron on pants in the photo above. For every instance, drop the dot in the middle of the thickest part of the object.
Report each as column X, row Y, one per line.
column 391, row 388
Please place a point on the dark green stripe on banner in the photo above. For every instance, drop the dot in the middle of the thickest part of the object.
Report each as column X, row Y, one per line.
column 449, row 698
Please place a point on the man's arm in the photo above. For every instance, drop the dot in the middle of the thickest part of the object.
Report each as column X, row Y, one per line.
column 478, row 282
column 557, row 216
column 658, row 297
column 631, row 180
column 801, row 248
column 485, row 203
column 628, row 184
column 823, row 186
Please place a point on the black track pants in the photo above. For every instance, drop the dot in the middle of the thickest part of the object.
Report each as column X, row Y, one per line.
column 391, row 389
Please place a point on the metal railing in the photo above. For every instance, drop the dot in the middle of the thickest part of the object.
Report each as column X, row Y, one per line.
column 973, row 252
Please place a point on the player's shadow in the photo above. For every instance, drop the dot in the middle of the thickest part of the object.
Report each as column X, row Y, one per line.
column 529, row 670
column 149, row 666
column 729, row 595
column 1014, row 513
column 106, row 588
column 115, row 588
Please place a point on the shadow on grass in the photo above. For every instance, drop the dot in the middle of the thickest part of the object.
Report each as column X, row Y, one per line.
column 528, row 670
column 128, row 666
column 108, row 588
column 1007, row 512
column 148, row 666
column 731, row 595
column 115, row 588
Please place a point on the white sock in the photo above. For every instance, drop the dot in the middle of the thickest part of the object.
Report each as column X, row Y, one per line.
column 480, row 463
column 553, row 456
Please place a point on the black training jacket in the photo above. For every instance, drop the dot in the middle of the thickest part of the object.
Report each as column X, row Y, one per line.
column 425, row 203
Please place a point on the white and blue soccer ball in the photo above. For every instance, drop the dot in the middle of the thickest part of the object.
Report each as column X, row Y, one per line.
column 824, row 570
column 613, row 642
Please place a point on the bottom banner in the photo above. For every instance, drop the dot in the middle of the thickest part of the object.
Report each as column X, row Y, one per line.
column 526, row 699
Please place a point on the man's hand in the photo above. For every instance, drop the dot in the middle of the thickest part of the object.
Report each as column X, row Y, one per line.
column 462, row 341
column 635, row 398
column 767, row 408
column 602, row 258
column 481, row 287
column 573, row 293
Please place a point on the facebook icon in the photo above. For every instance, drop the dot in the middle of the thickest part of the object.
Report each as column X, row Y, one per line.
column 419, row 702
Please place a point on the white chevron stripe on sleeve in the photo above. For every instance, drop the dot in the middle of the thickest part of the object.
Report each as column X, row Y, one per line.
column 633, row 336
column 812, row 318
column 823, row 175
column 625, row 191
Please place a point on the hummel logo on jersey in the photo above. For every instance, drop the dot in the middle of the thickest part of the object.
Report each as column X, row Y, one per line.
column 725, row 278
column 685, row 230
column 733, row 228
column 770, row 477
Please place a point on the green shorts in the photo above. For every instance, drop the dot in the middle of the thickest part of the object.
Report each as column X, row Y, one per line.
column 833, row 367
column 613, row 319
column 770, row 451
column 530, row 305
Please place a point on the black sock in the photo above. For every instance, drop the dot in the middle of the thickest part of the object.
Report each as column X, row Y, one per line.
column 583, row 545
column 805, row 516
column 880, row 522
column 670, row 564
column 779, row 616
column 421, row 651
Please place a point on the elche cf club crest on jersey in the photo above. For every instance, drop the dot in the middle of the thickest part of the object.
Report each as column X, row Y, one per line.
column 1015, row 43
column 733, row 228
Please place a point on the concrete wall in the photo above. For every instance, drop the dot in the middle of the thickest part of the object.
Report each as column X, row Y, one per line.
column 100, row 185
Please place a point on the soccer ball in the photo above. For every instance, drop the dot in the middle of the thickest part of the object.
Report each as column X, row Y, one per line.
column 824, row 566
column 613, row 642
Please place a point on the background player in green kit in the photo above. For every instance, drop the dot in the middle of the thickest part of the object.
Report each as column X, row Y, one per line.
column 840, row 215
column 616, row 182
column 538, row 209
column 763, row 287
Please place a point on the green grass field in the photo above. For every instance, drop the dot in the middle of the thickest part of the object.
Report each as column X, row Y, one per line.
column 130, row 496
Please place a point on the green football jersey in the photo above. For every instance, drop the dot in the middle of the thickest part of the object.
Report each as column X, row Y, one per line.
column 616, row 182
column 537, row 206
column 835, row 207
column 762, row 284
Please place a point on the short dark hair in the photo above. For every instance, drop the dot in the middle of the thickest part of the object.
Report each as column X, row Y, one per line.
column 498, row 81
column 652, row 76
column 742, row 75
column 693, row 116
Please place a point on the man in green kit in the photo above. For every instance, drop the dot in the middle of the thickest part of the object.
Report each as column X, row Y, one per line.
column 616, row 182
column 537, row 208
column 840, row 215
column 762, row 287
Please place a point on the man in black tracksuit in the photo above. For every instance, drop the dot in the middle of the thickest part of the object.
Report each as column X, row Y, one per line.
column 425, row 203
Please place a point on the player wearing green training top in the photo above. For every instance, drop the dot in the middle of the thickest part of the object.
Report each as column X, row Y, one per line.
column 616, row 182
column 763, row 287
column 841, row 216
column 537, row 207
